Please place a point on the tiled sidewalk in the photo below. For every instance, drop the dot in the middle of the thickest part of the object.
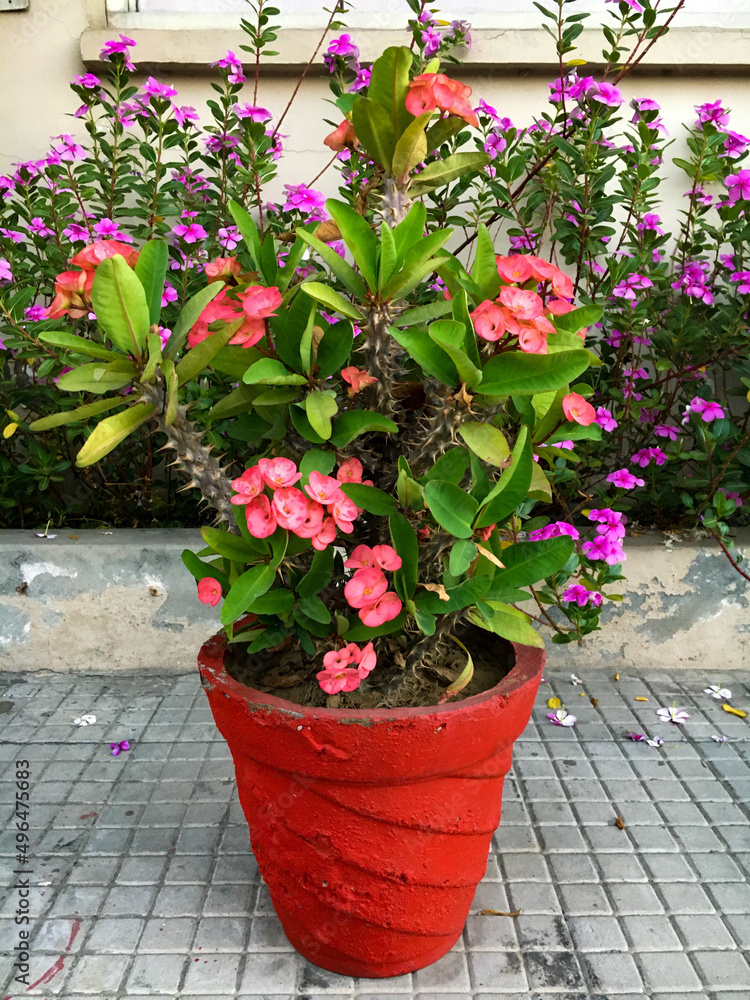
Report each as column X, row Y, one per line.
column 144, row 884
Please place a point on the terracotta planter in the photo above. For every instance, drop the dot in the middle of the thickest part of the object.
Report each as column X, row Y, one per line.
column 371, row 828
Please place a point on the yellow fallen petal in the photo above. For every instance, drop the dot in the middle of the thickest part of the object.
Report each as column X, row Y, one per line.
column 641, row 699
column 735, row 711
column 617, row 677
column 554, row 703
column 582, row 694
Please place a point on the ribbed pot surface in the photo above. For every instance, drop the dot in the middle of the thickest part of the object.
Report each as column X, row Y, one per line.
column 371, row 827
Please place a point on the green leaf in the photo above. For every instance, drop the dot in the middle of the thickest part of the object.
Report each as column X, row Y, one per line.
column 527, row 374
column 361, row 633
column 245, row 590
column 459, row 597
column 370, row 498
column 359, row 238
column 98, row 376
column 189, row 317
column 151, row 271
column 111, row 431
column 451, row 507
column 313, row 607
column 330, row 299
column 276, row 396
column 319, row 575
column 510, row 623
column 286, row 274
column 388, row 254
column 405, row 542
column 526, row 563
column 119, row 301
column 462, row 315
column 410, row 493
column 411, row 147
column 374, row 130
column 539, row 488
column 487, row 442
column 343, row 271
column 463, row 554
column 441, row 172
column 443, row 129
column 484, row 270
column 426, row 621
column 235, row 360
column 73, row 416
column 418, row 261
column 238, row 401
column 449, row 335
column 411, row 228
column 278, row 601
column 317, row 460
column 79, row 345
column 200, row 356
column 352, row 423
column 451, row 467
column 389, row 84
column 228, row 545
column 320, row 408
column 303, row 426
column 423, row 314
column 268, row 371
column 202, row 571
column 334, row 348
column 512, row 487
column 289, row 328
column 428, row 355
column 249, row 232
column 578, row 319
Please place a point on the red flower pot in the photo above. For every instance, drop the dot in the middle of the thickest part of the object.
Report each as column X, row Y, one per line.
column 371, row 828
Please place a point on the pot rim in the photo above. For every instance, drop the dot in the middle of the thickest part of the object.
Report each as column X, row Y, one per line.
column 529, row 663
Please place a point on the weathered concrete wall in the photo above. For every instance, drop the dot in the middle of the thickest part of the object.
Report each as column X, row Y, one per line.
column 123, row 600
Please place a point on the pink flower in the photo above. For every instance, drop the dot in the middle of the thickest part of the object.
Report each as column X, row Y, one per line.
column 313, row 522
column 365, row 587
column 554, row 530
column 645, row 456
column 324, row 489
column 112, row 47
column 358, row 379
column 605, row 419
column 184, row 114
column 383, row 610
column 712, row 411
column 289, row 507
column 337, row 659
column 209, row 591
column 325, row 536
column 576, row 408
column 361, row 558
column 153, row 88
column 666, row 431
column 562, row 718
column 624, row 480
column 253, row 112
column 739, row 186
column 278, row 472
column 606, row 548
column 191, row 233
column 344, row 512
column 248, row 486
column 489, row 321
column 231, row 62
column 581, row 596
column 170, row 294
column 712, row 112
column 523, row 303
column 386, row 557
column 368, row 660
column 301, row 198
column 350, row 471
column 261, row 520
column 513, row 269
column 334, row 679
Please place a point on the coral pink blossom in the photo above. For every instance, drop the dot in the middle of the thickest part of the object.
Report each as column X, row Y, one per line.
column 222, row 269
column 365, row 587
column 522, row 303
column 386, row 557
column 261, row 520
column 513, row 269
column 344, row 511
column 350, row 471
column 279, row 472
column 209, row 591
column 576, row 408
column 259, row 302
column 489, row 320
column 343, row 137
column 337, row 659
column 436, row 90
column 225, row 309
column 248, row 486
column 361, row 558
column 381, row 611
column 542, row 270
column 324, row 489
column 313, row 521
column 325, row 536
column 368, row 660
column 72, row 295
column 358, row 379
column 92, row 255
column 532, row 340
column 290, row 508
column 335, row 679
column 559, row 307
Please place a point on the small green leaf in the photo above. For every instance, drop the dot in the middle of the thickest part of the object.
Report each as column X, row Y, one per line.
column 487, row 442
column 151, row 271
column 451, row 507
column 73, row 416
column 98, row 376
column 374, row 130
column 428, row 355
column 406, row 544
column 320, row 408
column 527, row 374
column 330, row 299
column 463, row 554
column 244, row 591
column 484, row 270
column 319, row 575
column 388, row 254
column 79, row 345
column 278, row 601
column 512, row 487
column 358, row 632
column 111, row 431
column 459, row 597
column 119, row 301
column 228, row 545
column 350, row 424
column 450, row 336
column 370, row 498
column 334, row 348
column 578, row 319
column 510, row 623
column 526, row 563
column 316, row 460
column 343, row 271
column 451, row 467
column 268, row 371
column 411, row 147
column 314, row 608
column 359, row 238
column 441, row 172
column 200, row 356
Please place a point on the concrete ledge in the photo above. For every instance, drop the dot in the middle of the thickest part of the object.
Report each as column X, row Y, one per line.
column 181, row 44
column 105, row 601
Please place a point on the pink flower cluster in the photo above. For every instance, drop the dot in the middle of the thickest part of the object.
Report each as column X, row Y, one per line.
column 553, row 530
column 607, row 543
column 624, row 480
column 578, row 593
column 344, row 668
column 314, row 513
column 707, row 410
column 645, row 456
column 367, row 589
column 255, row 303
column 522, row 312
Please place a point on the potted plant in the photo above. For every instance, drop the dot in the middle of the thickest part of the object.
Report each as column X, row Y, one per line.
column 372, row 553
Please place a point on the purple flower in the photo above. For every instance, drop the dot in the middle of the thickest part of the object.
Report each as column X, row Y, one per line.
column 164, row 335
column 117, row 748
column 743, row 277
column 253, row 112
column 76, row 233
column 106, row 229
column 35, row 314
column 169, row 295
column 666, row 431
column 739, row 186
column 731, row 496
column 641, row 104
column 431, row 39
column 123, row 47
column 708, row 411
column 300, row 198
column 184, row 114
column 578, row 593
column 627, row 288
column 624, row 479
column 637, row 737
column 361, row 80
column 88, row 81
column 343, row 46
column 459, row 33
column 645, row 456
column 495, row 143
column 605, row 419
column 40, row 228
column 605, row 548
column 13, row 235
column 231, row 62
column 221, row 141
column 712, row 112
column 605, row 93
column 153, row 88
column 554, row 530
column 677, row 715
column 229, row 237
column 190, row 233
column 68, row 149
column 633, row 4
column 735, row 144
column 5, row 272
column 527, row 241
column 629, row 372
column 276, row 148
column 609, row 521
column 692, row 280
column 562, row 718
column 650, row 222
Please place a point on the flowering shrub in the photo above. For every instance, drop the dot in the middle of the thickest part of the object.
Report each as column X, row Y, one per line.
column 394, row 412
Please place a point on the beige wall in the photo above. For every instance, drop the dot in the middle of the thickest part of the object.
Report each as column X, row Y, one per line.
column 41, row 51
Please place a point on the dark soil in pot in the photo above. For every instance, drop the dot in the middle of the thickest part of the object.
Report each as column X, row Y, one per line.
column 289, row 673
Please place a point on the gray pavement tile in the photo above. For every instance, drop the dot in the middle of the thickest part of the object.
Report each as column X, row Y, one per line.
column 449, row 974
column 270, row 974
column 115, row 935
column 221, row 934
column 739, row 925
column 686, row 898
column 542, row 933
column 96, row 974
column 533, row 897
column 491, row 933
column 496, row 972
column 179, row 901
column 636, row 899
column 525, row 867
column 669, row 868
column 614, row 974
column 573, row 868
column 597, row 934
column 211, row 973
column 703, row 931
column 167, row 934
column 154, row 975
column 556, row 971
column 584, row 900
column 651, row 933
column 53, row 934
column 732, row 897
column 669, row 973
column 723, row 970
